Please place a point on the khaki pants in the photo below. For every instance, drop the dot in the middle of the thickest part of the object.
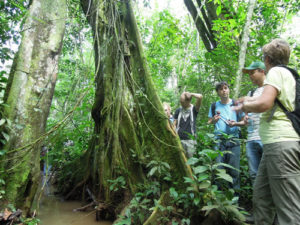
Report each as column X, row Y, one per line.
column 189, row 146
column 277, row 185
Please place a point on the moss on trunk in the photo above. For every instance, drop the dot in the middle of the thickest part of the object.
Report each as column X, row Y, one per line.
column 131, row 128
column 28, row 98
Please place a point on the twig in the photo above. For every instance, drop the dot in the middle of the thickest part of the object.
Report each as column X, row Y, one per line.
column 83, row 208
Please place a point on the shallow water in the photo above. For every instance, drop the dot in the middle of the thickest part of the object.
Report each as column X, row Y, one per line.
column 53, row 211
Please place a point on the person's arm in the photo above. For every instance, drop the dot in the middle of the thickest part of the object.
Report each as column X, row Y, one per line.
column 241, row 123
column 213, row 119
column 198, row 100
column 248, row 98
column 261, row 103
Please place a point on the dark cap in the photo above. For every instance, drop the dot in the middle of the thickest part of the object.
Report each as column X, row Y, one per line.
column 254, row 66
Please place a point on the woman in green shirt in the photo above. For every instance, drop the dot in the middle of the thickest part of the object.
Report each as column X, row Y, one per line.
column 277, row 185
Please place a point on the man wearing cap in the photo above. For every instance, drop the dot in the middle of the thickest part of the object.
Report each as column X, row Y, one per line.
column 254, row 147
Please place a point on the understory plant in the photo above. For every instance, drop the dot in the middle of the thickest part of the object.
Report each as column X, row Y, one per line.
column 147, row 197
column 212, row 181
column 197, row 201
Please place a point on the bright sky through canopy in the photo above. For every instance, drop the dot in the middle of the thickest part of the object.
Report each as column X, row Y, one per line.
column 179, row 10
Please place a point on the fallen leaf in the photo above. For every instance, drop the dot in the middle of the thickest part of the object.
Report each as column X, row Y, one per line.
column 6, row 214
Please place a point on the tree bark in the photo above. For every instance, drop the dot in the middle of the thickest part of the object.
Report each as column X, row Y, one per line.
column 202, row 29
column 208, row 19
column 28, row 98
column 131, row 128
column 204, row 15
column 243, row 48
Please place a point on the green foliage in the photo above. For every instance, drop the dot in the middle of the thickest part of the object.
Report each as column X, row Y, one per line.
column 31, row 221
column 206, row 173
column 2, row 190
column 75, row 79
column 3, row 82
column 166, row 41
column 4, row 137
column 159, row 169
column 117, row 183
column 11, row 14
column 2, row 153
column 4, row 122
column 147, row 197
column 5, row 125
column 139, row 208
column 175, row 54
column 246, row 190
column 187, row 203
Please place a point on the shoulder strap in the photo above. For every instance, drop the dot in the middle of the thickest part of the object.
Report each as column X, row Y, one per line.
column 294, row 72
column 178, row 119
column 252, row 92
column 280, row 105
column 296, row 76
column 192, row 113
column 192, row 120
column 213, row 109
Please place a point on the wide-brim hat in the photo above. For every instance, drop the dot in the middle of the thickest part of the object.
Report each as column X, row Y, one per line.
column 254, row 66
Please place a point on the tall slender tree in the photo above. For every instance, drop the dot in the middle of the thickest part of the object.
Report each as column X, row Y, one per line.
column 243, row 48
column 28, row 98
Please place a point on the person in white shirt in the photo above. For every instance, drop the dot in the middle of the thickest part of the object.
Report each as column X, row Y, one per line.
column 254, row 146
column 185, row 121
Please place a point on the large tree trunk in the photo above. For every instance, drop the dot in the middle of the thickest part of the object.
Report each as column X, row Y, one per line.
column 28, row 98
column 131, row 128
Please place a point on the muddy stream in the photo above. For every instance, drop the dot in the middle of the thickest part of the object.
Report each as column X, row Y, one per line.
column 54, row 211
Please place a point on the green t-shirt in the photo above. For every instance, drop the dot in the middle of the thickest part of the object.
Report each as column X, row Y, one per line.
column 279, row 128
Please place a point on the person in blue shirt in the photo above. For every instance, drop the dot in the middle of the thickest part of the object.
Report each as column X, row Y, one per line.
column 227, row 122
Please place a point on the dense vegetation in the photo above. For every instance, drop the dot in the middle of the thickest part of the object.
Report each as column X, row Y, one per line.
column 82, row 154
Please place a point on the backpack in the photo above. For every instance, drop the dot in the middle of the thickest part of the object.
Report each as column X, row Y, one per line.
column 294, row 116
column 191, row 120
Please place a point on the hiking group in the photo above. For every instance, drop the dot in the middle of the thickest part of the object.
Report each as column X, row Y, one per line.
column 271, row 113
